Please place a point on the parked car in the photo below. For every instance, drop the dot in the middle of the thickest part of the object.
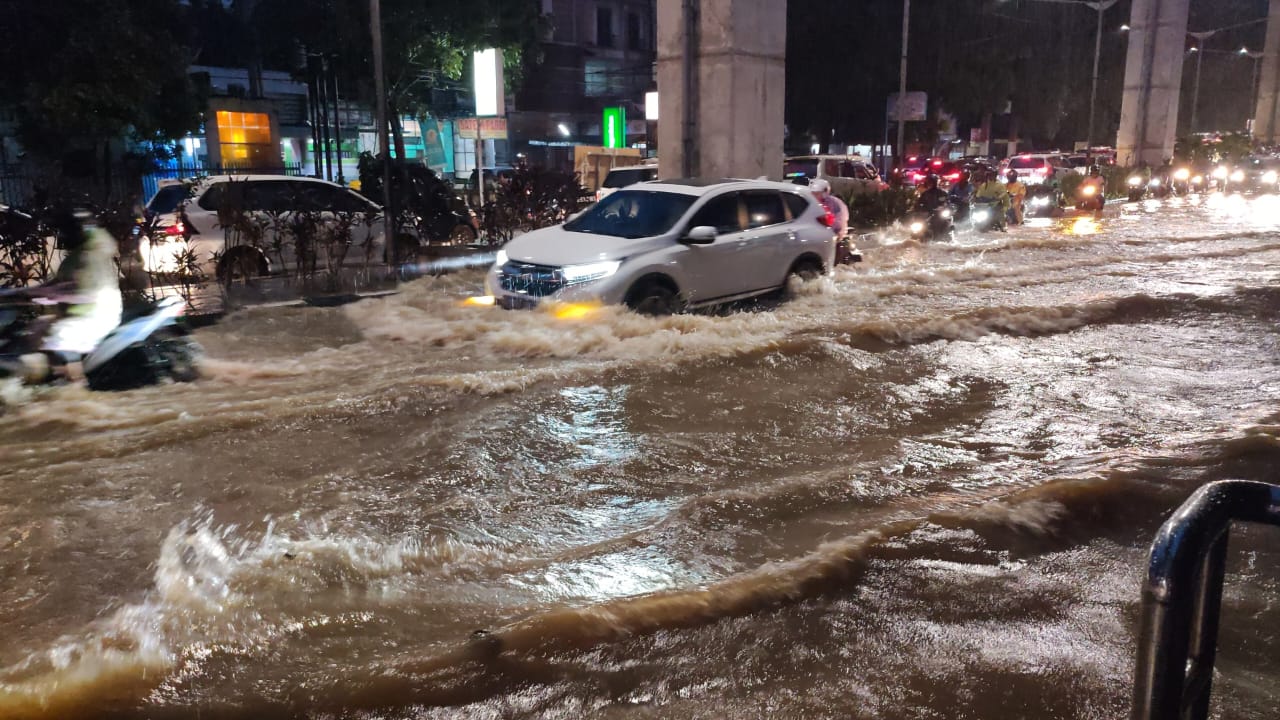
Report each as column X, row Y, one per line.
column 913, row 170
column 663, row 247
column 236, row 226
column 621, row 177
column 847, row 175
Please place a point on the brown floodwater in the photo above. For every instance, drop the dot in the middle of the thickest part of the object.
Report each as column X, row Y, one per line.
column 922, row 488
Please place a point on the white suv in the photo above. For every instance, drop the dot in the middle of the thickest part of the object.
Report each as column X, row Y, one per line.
column 662, row 247
column 1037, row 168
column 621, row 177
column 188, row 219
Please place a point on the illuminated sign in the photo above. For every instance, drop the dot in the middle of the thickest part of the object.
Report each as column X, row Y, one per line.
column 614, row 127
column 489, row 89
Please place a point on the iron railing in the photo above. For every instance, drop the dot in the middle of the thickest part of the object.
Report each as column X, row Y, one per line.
column 1182, row 598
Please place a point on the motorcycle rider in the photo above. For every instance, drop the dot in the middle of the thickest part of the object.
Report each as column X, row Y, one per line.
column 1095, row 179
column 992, row 189
column 961, row 195
column 1017, row 198
column 821, row 190
column 89, row 311
column 931, row 196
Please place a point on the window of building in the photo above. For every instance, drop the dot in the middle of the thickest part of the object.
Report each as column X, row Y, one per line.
column 635, row 39
column 464, row 156
column 604, row 26
column 596, row 76
column 245, row 139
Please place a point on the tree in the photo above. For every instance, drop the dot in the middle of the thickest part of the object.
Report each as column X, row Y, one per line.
column 426, row 43
column 82, row 73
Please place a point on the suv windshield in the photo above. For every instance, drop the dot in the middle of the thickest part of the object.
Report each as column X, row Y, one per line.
column 633, row 214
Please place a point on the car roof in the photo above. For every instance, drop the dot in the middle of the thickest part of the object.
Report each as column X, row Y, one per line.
column 212, row 179
column 704, row 186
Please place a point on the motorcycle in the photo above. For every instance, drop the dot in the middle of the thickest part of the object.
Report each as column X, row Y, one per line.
column 926, row 225
column 846, row 252
column 1089, row 196
column 986, row 215
column 1140, row 185
column 1182, row 181
column 148, row 346
column 1042, row 201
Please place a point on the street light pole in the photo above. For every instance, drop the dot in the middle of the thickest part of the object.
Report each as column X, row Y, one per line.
column 902, row 78
column 384, row 144
column 1195, row 93
column 1253, row 85
column 1101, row 7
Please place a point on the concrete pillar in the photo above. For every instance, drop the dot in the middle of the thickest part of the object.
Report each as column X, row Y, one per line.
column 1264, row 125
column 1152, row 81
column 720, row 87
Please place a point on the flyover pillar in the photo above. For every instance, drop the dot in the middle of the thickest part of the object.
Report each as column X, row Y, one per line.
column 1152, row 81
column 721, row 74
column 1264, row 116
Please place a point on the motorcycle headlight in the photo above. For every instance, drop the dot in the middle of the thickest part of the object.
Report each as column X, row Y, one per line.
column 589, row 271
column 917, row 227
column 981, row 214
column 1182, row 174
column 1197, row 180
column 1155, row 182
column 500, row 258
column 1089, row 190
column 1270, row 176
column 1039, row 201
column 944, row 214
column 1135, row 181
column 1220, row 173
column 1237, row 176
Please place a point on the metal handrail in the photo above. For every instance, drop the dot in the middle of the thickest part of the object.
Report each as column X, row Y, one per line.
column 1183, row 595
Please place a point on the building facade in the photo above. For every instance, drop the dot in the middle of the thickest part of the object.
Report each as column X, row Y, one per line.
column 597, row 54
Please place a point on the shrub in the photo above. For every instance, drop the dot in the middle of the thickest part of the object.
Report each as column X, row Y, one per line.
column 870, row 210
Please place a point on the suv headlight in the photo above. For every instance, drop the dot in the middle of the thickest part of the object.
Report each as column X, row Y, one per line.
column 589, row 271
column 1269, row 176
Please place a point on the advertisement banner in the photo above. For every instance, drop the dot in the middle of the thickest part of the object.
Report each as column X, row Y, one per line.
column 914, row 107
column 491, row 128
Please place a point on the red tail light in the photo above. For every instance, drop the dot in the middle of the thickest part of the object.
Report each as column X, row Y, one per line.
column 827, row 219
column 954, row 176
column 175, row 230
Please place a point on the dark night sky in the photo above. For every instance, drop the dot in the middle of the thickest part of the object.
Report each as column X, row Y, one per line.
column 842, row 61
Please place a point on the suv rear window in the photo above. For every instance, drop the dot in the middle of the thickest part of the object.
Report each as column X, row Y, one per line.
column 1019, row 163
column 167, row 199
column 629, row 176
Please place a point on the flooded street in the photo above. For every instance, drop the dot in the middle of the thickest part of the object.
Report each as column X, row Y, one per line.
column 923, row 488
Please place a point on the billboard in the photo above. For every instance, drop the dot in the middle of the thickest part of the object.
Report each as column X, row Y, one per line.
column 913, row 108
column 473, row 128
column 613, row 127
column 489, row 87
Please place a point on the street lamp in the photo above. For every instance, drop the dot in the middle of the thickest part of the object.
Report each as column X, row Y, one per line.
column 1253, row 86
column 1100, row 6
column 1195, row 94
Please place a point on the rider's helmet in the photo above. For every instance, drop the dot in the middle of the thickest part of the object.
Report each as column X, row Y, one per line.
column 931, row 182
column 1095, row 171
column 1013, row 176
column 820, row 187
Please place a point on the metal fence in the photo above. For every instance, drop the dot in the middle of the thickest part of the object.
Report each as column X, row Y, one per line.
column 18, row 185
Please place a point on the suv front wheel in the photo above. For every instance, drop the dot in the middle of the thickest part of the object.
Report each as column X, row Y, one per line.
column 653, row 298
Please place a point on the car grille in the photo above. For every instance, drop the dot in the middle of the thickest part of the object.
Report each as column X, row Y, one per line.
column 530, row 279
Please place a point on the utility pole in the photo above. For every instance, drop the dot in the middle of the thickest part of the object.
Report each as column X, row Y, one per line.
column 1101, row 7
column 902, row 80
column 1256, row 55
column 384, row 142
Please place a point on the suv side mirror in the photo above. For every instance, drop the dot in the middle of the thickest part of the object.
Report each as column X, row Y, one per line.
column 701, row 235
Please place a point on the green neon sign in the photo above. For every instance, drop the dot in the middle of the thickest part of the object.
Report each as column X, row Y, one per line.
column 614, row 127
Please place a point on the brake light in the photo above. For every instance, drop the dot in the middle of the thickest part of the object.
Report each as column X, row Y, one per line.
column 175, row 230
column 827, row 219
column 937, row 163
column 954, row 176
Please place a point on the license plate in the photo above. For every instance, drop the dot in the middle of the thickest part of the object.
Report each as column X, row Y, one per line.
column 515, row 302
